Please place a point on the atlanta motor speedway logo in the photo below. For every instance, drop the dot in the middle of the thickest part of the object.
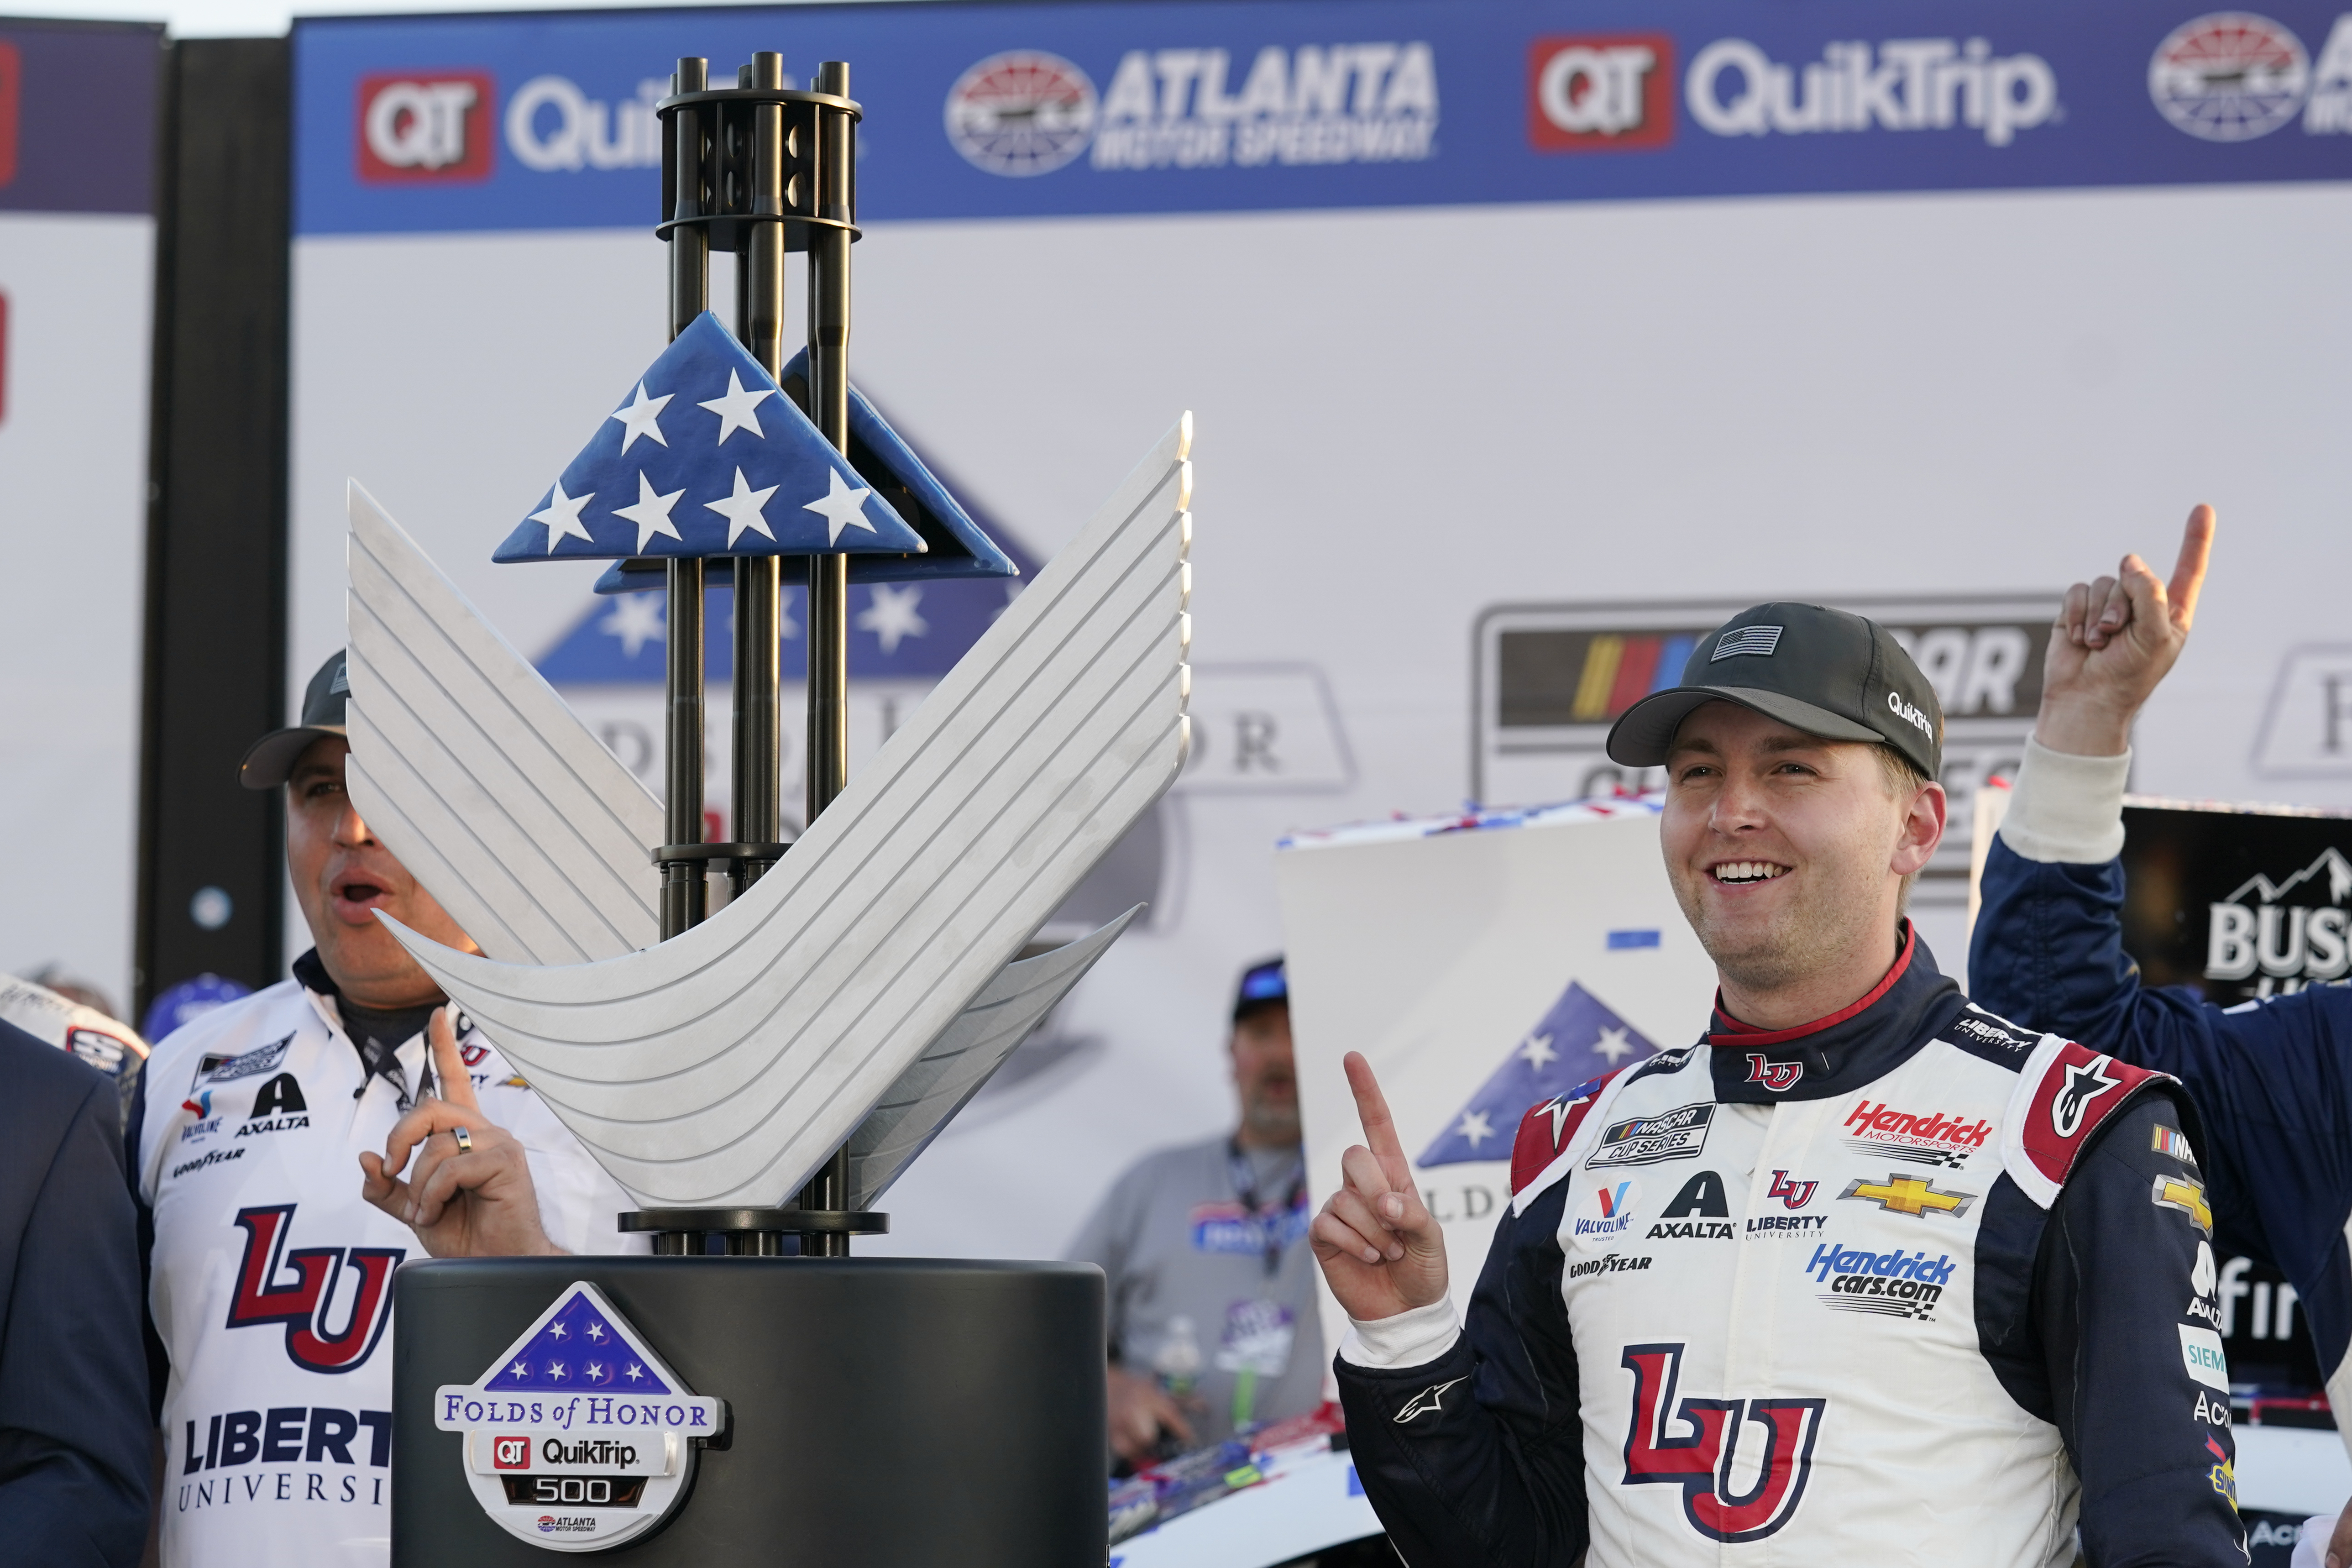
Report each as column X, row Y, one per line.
column 2232, row 75
column 2229, row 77
column 1022, row 113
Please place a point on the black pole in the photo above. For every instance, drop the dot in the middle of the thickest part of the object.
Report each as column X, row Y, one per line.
column 834, row 158
column 683, row 888
column 758, row 324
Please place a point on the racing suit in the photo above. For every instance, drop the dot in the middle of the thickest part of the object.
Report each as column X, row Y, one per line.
column 2273, row 1078
column 271, row 1276
column 1907, row 1284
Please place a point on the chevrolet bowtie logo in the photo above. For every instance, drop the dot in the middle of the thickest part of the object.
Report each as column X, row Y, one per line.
column 1909, row 1195
column 2171, row 1192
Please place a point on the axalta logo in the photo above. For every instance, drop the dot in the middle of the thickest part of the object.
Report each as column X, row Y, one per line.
column 317, row 1297
column 1693, row 1446
column 1597, row 93
column 1734, row 88
column 1335, row 103
column 2233, row 76
column 425, row 126
column 1936, row 1140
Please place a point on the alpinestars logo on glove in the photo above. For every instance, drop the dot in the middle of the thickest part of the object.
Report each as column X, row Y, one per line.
column 1699, row 1458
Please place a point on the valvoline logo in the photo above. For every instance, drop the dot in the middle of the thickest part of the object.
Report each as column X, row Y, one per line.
column 1603, row 1214
column 425, row 126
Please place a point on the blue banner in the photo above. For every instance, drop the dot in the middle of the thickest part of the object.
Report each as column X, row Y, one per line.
column 988, row 112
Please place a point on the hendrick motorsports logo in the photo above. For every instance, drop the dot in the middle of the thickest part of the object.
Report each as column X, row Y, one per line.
column 1022, row 113
column 1027, row 112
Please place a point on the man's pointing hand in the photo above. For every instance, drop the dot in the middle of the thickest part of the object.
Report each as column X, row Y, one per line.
column 1382, row 1251
column 2114, row 640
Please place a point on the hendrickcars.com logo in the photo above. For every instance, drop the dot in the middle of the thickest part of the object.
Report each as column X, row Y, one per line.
column 1587, row 94
column 417, row 126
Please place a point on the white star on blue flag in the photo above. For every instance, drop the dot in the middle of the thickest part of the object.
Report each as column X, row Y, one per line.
column 687, row 490
column 1578, row 1039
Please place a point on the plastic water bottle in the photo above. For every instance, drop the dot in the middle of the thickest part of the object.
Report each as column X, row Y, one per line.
column 1178, row 1364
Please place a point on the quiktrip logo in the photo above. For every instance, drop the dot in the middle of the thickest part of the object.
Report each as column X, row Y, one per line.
column 1699, row 1458
column 1734, row 88
column 425, row 126
column 1604, row 92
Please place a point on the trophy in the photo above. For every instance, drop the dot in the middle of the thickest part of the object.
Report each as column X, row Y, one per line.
column 757, row 1077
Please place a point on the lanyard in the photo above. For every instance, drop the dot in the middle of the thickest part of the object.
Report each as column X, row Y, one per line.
column 1269, row 1220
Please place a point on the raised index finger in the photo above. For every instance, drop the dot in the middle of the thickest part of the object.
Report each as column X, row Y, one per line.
column 2189, row 571
column 455, row 1084
column 1372, row 1110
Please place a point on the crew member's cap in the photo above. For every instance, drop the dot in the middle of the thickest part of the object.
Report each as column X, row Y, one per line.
column 1826, row 672
column 271, row 760
column 1262, row 983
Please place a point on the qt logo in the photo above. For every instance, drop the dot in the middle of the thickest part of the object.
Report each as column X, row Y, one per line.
column 1588, row 94
column 416, row 126
column 510, row 1453
column 1699, row 1458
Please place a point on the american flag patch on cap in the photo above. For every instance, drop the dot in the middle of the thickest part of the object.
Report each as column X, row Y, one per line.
column 1759, row 640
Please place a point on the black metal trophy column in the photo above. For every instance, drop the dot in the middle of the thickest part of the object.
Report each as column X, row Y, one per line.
column 835, row 167
column 888, row 1412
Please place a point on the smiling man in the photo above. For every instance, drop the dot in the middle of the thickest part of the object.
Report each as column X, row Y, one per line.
column 276, row 1224
column 1909, row 1283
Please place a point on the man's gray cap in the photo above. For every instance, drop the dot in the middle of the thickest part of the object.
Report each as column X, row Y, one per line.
column 1827, row 672
column 271, row 761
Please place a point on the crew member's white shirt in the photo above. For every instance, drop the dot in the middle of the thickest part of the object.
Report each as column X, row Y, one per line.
column 272, row 1275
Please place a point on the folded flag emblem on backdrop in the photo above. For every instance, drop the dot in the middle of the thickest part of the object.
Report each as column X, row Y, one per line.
column 1578, row 1040
column 707, row 457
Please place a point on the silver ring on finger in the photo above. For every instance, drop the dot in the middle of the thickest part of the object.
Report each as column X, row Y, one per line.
column 465, row 1140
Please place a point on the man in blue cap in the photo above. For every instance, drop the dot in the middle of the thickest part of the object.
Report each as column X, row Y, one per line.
column 1213, row 1324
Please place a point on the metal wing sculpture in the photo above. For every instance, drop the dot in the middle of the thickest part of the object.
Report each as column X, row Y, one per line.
column 721, row 1067
column 469, row 766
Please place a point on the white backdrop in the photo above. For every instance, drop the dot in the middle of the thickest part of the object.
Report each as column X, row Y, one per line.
column 1408, row 415
column 73, row 494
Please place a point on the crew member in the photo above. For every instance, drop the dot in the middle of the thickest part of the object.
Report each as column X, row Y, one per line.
column 1212, row 1322
column 1865, row 1273
column 2272, row 1077
column 271, row 1269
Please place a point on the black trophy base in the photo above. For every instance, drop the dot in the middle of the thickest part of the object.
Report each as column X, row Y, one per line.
column 886, row 1412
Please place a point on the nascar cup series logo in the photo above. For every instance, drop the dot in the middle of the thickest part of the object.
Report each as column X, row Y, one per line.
column 1022, row 113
